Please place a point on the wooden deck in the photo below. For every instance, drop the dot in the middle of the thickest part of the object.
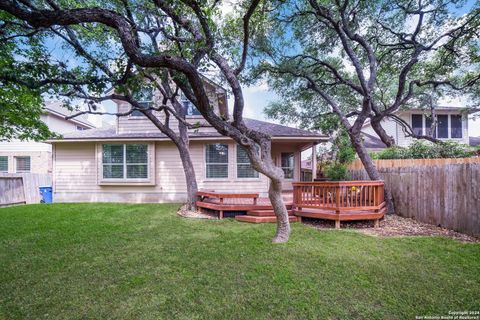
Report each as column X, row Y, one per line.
column 257, row 210
column 338, row 201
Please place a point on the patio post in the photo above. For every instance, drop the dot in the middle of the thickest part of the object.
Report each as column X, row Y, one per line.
column 314, row 161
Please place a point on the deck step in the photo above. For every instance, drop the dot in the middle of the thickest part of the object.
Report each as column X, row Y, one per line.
column 254, row 219
column 265, row 213
column 236, row 207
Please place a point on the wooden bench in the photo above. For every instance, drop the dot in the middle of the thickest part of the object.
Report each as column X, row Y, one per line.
column 203, row 195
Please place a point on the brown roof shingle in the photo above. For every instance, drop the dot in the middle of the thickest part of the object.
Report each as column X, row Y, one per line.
column 274, row 130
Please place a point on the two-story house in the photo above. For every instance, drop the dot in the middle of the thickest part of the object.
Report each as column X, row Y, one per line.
column 452, row 125
column 134, row 162
column 36, row 157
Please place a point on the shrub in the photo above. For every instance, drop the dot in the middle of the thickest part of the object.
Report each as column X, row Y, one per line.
column 427, row 150
column 451, row 149
column 336, row 172
column 394, row 152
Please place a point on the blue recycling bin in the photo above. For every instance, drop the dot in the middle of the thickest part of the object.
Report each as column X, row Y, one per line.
column 46, row 193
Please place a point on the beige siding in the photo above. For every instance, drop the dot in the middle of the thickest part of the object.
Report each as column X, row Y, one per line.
column 40, row 161
column 129, row 124
column 76, row 169
column 40, row 153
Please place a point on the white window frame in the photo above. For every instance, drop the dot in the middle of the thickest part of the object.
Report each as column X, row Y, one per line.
column 293, row 167
column 8, row 167
column 243, row 163
column 29, row 166
column 449, row 125
column 150, row 180
column 217, row 163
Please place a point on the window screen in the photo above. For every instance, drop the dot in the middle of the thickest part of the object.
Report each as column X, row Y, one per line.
column 216, row 159
column 428, row 125
column 442, row 126
column 288, row 164
column 137, row 161
column 122, row 161
column 456, row 126
column 3, row 164
column 112, row 159
column 22, row 164
column 417, row 124
column 244, row 167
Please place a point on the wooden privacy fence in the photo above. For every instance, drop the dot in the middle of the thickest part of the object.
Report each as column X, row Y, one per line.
column 17, row 188
column 446, row 195
column 11, row 191
column 396, row 163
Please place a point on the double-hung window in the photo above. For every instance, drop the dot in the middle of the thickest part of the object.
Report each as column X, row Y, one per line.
column 216, row 161
column 125, row 161
column 447, row 126
column 442, row 126
column 144, row 97
column 456, row 126
column 22, row 164
column 417, row 124
column 3, row 164
column 287, row 162
column 244, row 167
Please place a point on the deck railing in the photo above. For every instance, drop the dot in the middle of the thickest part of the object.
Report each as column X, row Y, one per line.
column 339, row 195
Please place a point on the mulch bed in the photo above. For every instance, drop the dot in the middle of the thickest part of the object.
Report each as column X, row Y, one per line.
column 393, row 226
column 183, row 212
column 390, row 226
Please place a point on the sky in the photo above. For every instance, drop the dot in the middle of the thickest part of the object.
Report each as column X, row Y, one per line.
column 259, row 96
column 256, row 97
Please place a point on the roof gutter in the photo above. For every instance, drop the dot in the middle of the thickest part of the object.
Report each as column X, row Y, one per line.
column 308, row 139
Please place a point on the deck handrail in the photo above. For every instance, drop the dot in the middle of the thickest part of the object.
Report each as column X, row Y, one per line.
column 349, row 183
column 339, row 195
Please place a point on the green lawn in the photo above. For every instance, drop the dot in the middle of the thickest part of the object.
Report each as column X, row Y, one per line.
column 98, row 261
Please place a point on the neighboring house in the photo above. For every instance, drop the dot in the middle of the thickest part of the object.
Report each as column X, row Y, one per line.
column 36, row 157
column 306, row 170
column 451, row 125
column 134, row 162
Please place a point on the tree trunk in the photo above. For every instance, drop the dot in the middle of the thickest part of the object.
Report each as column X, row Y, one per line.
column 371, row 169
column 190, row 177
column 181, row 141
column 377, row 127
column 283, row 224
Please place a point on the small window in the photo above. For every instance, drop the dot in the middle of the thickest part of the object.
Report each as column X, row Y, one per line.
column 288, row 164
column 22, row 164
column 144, row 97
column 80, row 128
column 456, row 126
column 125, row 161
column 216, row 159
column 442, row 126
column 244, row 166
column 417, row 124
column 3, row 164
column 190, row 109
